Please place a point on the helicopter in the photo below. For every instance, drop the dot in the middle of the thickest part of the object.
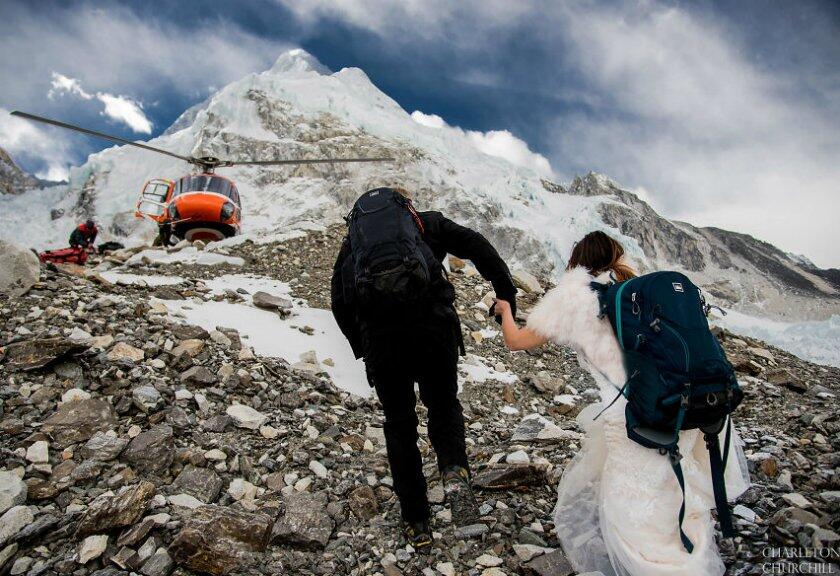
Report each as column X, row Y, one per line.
column 197, row 206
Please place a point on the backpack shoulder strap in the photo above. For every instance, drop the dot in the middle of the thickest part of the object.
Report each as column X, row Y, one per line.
column 601, row 291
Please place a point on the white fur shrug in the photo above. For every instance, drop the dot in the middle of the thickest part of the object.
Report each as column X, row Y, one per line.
column 568, row 314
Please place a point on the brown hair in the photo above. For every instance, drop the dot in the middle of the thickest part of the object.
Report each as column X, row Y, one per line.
column 402, row 192
column 598, row 252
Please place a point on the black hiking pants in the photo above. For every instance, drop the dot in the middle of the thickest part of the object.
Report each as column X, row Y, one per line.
column 396, row 362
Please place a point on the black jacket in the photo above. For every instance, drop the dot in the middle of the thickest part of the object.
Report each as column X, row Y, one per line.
column 444, row 237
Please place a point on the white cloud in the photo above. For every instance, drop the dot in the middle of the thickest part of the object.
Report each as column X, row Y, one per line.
column 125, row 110
column 499, row 143
column 430, row 120
column 61, row 83
column 120, row 108
column 21, row 138
column 505, row 145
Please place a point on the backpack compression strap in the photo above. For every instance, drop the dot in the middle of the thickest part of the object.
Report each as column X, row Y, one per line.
column 674, row 456
column 718, row 466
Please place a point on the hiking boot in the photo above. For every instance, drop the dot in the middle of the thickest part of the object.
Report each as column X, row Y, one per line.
column 418, row 535
column 459, row 495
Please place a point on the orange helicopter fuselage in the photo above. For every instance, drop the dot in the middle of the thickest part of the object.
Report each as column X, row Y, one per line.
column 197, row 206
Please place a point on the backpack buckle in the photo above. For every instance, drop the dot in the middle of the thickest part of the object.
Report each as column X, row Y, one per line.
column 655, row 325
column 674, row 456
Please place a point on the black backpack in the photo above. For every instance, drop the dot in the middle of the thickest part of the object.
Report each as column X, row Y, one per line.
column 678, row 376
column 390, row 264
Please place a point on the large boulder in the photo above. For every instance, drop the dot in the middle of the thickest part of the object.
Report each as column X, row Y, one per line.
column 116, row 511
column 218, row 540
column 19, row 269
column 78, row 421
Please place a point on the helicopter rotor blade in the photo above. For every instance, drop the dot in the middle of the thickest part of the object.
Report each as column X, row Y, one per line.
column 303, row 161
column 102, row 135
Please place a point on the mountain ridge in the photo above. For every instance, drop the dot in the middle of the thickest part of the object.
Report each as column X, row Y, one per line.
column 298, row 108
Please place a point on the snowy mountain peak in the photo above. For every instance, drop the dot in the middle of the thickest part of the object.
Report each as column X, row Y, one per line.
column 299, row 109
column 299, row 60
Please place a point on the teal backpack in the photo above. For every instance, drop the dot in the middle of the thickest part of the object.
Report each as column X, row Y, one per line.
column 678, row 376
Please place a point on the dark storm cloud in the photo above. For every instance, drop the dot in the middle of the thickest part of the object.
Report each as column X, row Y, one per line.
column 720, row 112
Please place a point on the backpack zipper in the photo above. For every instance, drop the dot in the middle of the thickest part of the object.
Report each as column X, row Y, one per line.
column 684, row 345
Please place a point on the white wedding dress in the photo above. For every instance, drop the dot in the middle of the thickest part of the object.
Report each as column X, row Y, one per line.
column 618, row 502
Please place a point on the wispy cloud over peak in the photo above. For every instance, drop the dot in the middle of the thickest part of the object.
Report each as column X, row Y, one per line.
column 120, row 108
column 499, row 143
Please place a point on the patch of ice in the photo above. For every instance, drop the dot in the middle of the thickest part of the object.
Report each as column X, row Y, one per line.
column 128, row 279
column 477, row 371
column 488, row 333
column 270, row 335
column 249, row 282
column 816, row 341
column 188, row 255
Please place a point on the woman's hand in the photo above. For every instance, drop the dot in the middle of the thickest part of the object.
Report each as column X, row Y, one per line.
column 515, row 338
column 500, row 307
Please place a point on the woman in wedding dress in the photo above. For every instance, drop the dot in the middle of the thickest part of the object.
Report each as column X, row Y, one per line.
column 618, row 501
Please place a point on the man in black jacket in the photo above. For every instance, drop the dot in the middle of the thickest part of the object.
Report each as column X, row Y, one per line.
column 420, row 344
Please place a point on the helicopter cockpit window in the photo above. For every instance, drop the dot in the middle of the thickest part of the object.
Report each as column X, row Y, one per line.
column 153, row 197
column 205, row 183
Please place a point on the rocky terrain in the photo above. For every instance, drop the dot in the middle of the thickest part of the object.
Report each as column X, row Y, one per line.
column 13, row 180
column 133, row 442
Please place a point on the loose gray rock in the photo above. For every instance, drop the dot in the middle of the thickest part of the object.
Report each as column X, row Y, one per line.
column 40, row 352
column 267, row 301
column 12, row 490
column 198, row 375
column 13, row 521
column 246, row 417
column 20, row 269
column 151, row 452
column 203, row 483
column 305, row 523
column 536, row 428
column 78, row 421
column 104, row 446
column 507, row 476
column 121, row 509
column 551, row 564
column 146, row 398
column 159, row 564
column 218, row 540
